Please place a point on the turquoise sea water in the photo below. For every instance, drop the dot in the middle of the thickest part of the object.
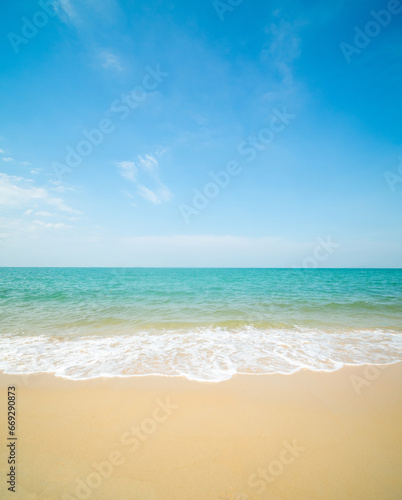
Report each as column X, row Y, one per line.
column 202, row 323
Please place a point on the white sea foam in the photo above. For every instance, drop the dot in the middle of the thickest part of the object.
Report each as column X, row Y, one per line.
column 201, row 353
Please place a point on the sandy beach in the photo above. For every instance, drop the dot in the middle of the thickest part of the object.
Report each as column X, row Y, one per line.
column 200, row 250
column 308, row 435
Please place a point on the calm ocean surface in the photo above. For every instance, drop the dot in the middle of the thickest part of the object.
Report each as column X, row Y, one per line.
column 205, row 324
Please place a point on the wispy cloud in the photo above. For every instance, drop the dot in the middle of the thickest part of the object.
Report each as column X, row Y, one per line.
column 59, row 187
column 149, row 195
column 282, row 49
column 88, row 15
column 13, row 194
column 17, row 192
column 285, row 43
column 150, row 165
column 110, row 61
column 65, row 11
column 44, row 213
column 22, row 204
column 50, row 225
column 128, row 170
column 8, row 158
column 60, row 205
column 145, row 167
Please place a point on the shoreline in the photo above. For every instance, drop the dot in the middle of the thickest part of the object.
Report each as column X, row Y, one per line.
column 198, row 355
column 181, row 376
column 307, row 435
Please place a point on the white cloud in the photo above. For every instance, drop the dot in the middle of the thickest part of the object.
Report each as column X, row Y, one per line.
column 1, row 150
column 35, row 171
column 110, row 61
column 59, row 187
column 128, row 170
column 18, row 230
column 146, row 166
column 65, row 10
column 161, row 194
column 165, row 193
column 285, row 43
column 149, row 164
column 25, row 163
column 12, row 194
column 17, row 192
column 59, row 204
column 149, row 195
column 44, row 213
column 86, row 15
column 49, row 225
column 20, row 201
column 8, row 158
column 280, row 52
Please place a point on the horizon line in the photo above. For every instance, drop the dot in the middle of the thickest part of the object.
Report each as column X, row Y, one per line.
column 197, row 267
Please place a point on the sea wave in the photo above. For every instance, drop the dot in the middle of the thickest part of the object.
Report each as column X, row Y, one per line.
column 202, row 353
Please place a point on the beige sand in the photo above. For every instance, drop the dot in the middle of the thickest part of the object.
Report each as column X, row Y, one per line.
column 310, row 435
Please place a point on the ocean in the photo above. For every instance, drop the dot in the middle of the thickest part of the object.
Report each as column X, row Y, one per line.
column 205, row 324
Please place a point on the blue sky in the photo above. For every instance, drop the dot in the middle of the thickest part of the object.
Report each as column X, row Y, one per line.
column 302, row 118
